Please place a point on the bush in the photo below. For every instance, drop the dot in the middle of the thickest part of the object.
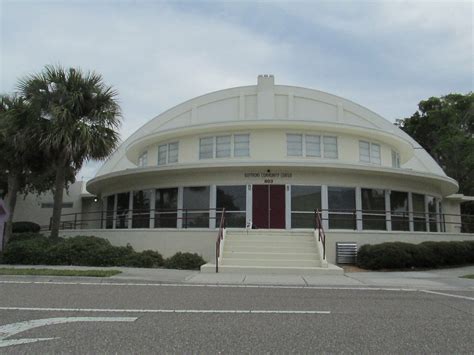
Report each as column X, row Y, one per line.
column 397, row 255
column 25, row 227
column 185, row 261
column 30, row 248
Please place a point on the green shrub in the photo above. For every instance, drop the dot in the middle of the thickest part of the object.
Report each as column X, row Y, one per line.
column 185, row 261
column 24, row 236
column 25, row 227
column 398, row 255
column 30, row 248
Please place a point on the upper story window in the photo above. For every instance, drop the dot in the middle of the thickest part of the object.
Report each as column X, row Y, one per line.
column 395, row 159
column 369, row 152
column 226, row 146
column 168, row 153
column 143, row 159
column 307, row 145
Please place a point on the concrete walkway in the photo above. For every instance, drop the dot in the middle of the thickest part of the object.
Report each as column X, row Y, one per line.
column 431, row 279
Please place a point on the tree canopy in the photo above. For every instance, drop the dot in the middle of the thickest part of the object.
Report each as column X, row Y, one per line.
column 444, row 126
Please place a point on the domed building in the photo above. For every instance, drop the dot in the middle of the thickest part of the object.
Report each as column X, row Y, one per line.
column 271, row 155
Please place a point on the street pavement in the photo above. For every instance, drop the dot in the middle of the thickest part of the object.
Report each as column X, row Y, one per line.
column 177, row 312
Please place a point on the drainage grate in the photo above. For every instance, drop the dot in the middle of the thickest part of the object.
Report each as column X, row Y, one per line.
column 346, row 252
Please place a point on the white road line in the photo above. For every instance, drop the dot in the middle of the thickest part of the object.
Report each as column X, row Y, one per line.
column 113, row 310
column 209, row 285
column 448, row 295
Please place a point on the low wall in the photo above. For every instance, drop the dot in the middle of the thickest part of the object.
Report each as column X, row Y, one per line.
column 367, row 237
column 202, row 241
column 166, row 241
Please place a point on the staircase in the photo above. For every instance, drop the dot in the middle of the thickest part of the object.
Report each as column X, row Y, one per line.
column 271, row 252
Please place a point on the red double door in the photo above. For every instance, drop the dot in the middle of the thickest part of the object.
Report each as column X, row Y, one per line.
column 268, row 210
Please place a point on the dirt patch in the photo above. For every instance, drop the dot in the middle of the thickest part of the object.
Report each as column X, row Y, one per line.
column 352, row 268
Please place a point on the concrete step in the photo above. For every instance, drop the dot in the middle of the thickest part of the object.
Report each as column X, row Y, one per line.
column 270, row 263
column 268, row 233
column 252, row 270
column 261, row 243
column 230, row 255
column 270, row 248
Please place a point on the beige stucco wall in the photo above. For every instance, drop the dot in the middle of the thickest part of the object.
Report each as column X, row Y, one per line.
column 169, row 241
column 166, row 241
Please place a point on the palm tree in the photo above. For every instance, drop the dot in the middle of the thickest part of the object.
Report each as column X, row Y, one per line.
column 80, row 116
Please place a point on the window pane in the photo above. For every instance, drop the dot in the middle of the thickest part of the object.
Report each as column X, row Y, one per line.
column 206, row 148
column 399, row 210
column 432, row 213
column 141, row 209
column 294, row 145
column 162, row 151
column 373, row 209
column 241, row 145
column 232, row 198
column 395, row 159
column 313, row 146
column 223, row 146
column 196, row 205
column 419, row 220
column 123, row 203
column 166, row 208
column 341, row 204
column 109, row 221
column 143, row 159
column 375, row 153
column 304, row 200
column 173, row 149
column 364, row 152
column 330, row 147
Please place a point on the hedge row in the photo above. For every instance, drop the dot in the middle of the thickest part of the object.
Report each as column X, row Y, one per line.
column 398, row 255
column 35, row 249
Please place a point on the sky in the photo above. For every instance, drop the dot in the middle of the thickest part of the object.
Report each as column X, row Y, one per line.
column 384, row 55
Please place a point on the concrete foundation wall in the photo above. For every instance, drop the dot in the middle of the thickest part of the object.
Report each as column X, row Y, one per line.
column 165, row 241
column 170, row 241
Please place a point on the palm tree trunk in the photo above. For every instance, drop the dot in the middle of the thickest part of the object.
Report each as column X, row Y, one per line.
column 13, row 187
column 58, row 200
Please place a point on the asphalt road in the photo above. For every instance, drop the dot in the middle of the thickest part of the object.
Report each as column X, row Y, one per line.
column 126, row 318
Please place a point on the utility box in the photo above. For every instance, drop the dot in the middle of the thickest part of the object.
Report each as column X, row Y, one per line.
column 3, row 218
column 346, row 252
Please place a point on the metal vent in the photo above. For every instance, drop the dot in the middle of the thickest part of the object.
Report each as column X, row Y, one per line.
column 346, row 252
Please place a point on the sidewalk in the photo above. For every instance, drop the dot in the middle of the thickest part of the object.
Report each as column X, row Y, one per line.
column 431, row 279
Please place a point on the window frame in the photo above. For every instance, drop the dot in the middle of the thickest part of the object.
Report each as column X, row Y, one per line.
column 167, row 153
column 323, row 152
column 371, row 158
column 232, row 146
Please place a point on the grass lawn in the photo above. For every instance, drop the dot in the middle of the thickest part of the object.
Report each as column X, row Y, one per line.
column 470, row 276
column 56, row 272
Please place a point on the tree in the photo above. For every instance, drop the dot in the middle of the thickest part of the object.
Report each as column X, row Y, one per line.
column 79, row 115
column 444, row 126
column 22, row 169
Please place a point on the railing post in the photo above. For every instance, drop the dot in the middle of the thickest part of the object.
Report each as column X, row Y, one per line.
column 186, row 218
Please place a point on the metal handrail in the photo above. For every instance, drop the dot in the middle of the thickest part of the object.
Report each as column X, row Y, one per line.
column 318, row 225
column 220, row 237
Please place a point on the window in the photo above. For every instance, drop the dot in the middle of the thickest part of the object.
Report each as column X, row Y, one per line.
column 166, row 208
column 223, row 148
column 141, row 209
column 196, row 207
column 395, row 159
column 168, row 153
column 299, row 145
column 206, row 148
column 241, row 145
column 109, row 217
column 341, row 203
column 373, row 209
column 294, row 145
column 123, row 204
column 304, row 201
column 419, row 220
column 330, row 147
column 236, row 145
column 313, row 146
column 369, row 152
column 143, row 159
column 432, row 214
column 233, row 199
column 399, row 210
